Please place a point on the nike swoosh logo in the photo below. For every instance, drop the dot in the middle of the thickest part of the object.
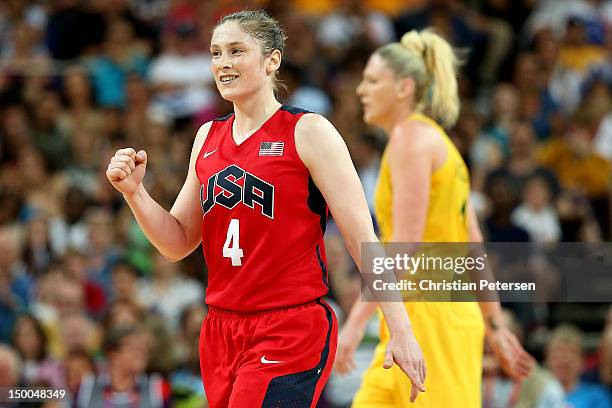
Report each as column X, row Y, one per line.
column 265, row 361
column 206, row 154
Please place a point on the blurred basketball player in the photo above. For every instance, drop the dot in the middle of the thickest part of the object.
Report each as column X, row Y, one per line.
column 422, row 196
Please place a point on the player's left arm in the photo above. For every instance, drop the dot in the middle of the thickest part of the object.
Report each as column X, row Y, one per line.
column 515, row 361
column 324, row 153
column 410, row 156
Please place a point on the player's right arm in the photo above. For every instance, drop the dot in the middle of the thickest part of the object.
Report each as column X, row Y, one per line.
column 175, row 233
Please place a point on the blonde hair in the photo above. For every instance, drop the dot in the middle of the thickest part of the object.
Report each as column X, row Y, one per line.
column 566, row 334
column 432, row 63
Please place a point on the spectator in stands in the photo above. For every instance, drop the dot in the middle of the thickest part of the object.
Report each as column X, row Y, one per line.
column 102, row 253
column 573, row 160
column 302, row 49
column 35, row 181
column 564, row 358
column 67, row 311
column 301, row 94
column 70, row 297
column 49, row 137
column 30, row 340
column 79, row 333
column 136, row 116
column 43, row 302
column 546, row 49
column 521, row 164
column 353, row 23
column 23, row 55
column 75, row 268
column 180, row 83
column 124, row 282
column 122, row 313
column 536, row 104
column 37, row 252
column 503, row 198
column 577, row 55
column 125, row 382
column 68, row 228
column 579, row 168
column 451, row 19
column 79, row 101
column 86, row 151
column 16, row 133
column 78, row 364
column 503, row 118
column 536, row 214
column 169, row 292
column 121, row 56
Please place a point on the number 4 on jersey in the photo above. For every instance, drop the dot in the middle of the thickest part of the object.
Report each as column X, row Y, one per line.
column 233, row 238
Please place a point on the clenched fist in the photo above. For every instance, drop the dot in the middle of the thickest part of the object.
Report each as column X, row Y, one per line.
column 126, row 170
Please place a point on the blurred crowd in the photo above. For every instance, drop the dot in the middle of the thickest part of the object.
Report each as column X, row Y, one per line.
column 87, row 305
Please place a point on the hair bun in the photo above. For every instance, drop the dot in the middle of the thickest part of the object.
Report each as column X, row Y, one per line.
column 413, row 41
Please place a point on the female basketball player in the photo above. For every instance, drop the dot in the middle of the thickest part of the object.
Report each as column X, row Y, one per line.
column 255, row 196
column 422, row 196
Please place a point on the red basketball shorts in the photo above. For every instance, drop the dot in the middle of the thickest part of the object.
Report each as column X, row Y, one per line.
column 275, row 359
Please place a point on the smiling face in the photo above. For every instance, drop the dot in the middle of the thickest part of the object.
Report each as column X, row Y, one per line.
column 238, row 64
column 378, row 90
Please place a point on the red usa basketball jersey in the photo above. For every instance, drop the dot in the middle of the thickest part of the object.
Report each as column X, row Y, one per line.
column 263, row 219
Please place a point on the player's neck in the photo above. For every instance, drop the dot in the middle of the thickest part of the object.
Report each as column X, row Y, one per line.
column 251, row 113
column 395, row 117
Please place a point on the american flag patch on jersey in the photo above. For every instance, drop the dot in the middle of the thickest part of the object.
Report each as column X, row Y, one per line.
column 271, row 148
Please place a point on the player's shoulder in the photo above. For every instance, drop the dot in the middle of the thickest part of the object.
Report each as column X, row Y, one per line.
column 421, row 129
column 415, row 136
column 311, row 124
column 315, row 133
column 316, row 139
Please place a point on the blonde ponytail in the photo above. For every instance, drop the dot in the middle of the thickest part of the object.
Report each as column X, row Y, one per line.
column 431, row 62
